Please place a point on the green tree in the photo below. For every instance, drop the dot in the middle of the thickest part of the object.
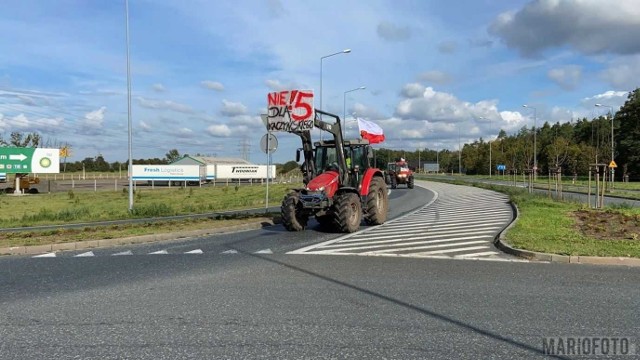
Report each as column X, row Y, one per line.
column 173, row 155
column 627, row 136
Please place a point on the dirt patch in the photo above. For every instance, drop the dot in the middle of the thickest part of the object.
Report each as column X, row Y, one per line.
column 604, row 225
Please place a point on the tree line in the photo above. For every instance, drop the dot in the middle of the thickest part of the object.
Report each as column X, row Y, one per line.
column 571, row 147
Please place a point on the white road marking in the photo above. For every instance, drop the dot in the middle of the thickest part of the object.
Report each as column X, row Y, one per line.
column 159, row 252
column 196, row 251
column 85, row 254
column 485, row 253
column 459, row 223
column 264, row 251
column 47, row 255
column 229, row 252
column 128, row 252
column 452, row 242
column 452, row 250
column 430, row 246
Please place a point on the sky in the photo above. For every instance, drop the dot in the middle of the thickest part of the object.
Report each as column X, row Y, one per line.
column 436, row 73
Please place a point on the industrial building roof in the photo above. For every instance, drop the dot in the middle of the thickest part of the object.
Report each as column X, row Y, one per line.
column 209, row 160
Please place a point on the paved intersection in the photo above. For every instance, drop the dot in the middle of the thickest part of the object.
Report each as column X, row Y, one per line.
column 460, row 223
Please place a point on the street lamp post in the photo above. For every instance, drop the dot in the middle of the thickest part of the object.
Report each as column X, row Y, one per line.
column 345, row 51
column 344, row 103
column 612, row 147
column 535, row 148
column 129, row 109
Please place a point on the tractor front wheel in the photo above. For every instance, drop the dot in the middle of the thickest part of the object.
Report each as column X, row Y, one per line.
column 347, row 213
column 293, row 216
column 377, row 202
column 410, row 182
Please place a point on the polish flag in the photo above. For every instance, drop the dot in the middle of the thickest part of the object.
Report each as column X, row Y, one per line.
column 370, row 131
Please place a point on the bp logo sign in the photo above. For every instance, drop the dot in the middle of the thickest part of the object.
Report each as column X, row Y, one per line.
column 45, row 162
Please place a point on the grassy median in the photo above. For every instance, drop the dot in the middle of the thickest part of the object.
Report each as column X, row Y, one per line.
column 81, row 207
column 569, row 228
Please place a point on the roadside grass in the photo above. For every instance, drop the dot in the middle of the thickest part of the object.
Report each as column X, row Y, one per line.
column 57, row 236
column 80, row 207
column 551, row 226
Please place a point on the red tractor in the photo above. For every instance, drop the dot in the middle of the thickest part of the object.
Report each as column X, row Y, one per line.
column 341, row 189
column 399, row 172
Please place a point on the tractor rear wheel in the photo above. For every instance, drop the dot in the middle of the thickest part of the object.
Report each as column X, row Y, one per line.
column 293, row 216
column 377, row 202
column 410, row 182
column 347, row 213
column 394, row 181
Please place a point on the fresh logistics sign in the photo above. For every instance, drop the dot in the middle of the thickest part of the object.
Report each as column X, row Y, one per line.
column 29, row 160
column 290, row 110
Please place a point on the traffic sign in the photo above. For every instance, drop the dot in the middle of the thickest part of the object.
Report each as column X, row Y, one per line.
column 29, row 160
column 501, row 167
column 613, row 164
column 272, row 143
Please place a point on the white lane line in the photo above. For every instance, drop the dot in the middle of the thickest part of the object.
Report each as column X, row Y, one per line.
column 485, row 253
column 452, row 250
column 264, row 251
column 229, row 252
column 159, row 252
column 432, row 247
column 46, row 255
column 196, row 251
column 85, row 254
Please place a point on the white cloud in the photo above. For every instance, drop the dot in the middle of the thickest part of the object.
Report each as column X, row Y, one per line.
column 437, row 106
column 231, row 109
column 567, row 77
column 392, row 32
column 623, row 73
column 158, row 87
column 92, row 122
column 220, row 130
column 252, row 122
column 20, row 122
column 513, row 121
column 185, row 133
column 412, row 91
column 165, row 105
column 212, row 85
column 589, row 26
column 143, row 126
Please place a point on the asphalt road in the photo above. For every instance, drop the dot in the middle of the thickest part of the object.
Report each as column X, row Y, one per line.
column 254, row 303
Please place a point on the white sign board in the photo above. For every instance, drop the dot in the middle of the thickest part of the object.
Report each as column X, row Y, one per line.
column 242, row 171
column 168, row 172
column 290, row 110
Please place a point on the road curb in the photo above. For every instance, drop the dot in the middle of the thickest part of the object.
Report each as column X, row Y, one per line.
column 90, row 244
column 503, row 245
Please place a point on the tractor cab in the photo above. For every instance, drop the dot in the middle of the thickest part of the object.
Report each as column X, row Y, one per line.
column 357, row 155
